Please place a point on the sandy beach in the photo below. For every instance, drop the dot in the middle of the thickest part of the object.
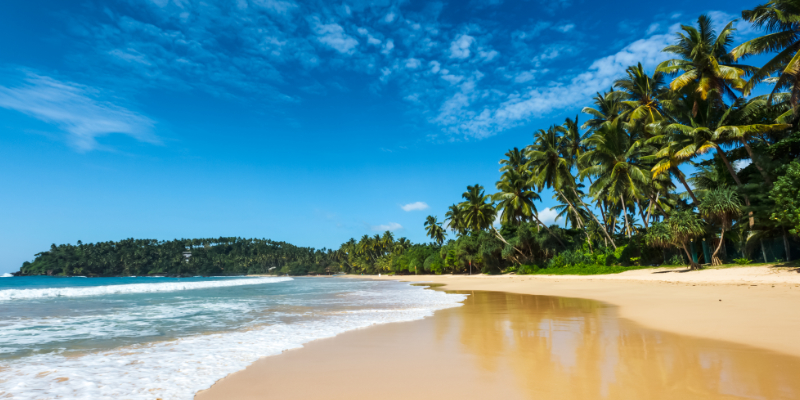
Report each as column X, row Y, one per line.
column 656, row 333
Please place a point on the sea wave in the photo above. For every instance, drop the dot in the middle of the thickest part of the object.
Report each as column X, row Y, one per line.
column 180, row 368
column 6, row 275
column 27, row 294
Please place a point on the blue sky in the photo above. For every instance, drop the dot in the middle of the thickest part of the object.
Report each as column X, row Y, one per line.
column 309, row 122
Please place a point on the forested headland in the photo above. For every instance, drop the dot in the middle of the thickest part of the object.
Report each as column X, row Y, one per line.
column 141, row 257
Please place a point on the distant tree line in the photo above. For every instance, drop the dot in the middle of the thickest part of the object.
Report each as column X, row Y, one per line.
column 141, row 257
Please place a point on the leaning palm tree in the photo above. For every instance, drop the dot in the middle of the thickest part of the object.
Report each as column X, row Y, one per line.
column 781, row 21
column 704, row 62
column 434, row 229
column 722, row 205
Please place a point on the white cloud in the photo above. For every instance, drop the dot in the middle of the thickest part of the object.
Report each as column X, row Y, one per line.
column 459, row 48
column 487, row 54
column 416, row 206
column 413, row 63
column 565, row 28
column 334, row 36
column 391, row 226
column 76, row 109
column 463, row 113
column 388, row 46
column 548, row 216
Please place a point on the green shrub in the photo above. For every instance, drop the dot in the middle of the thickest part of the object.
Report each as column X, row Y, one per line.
column 676, row 260
column 527, row 269
column 742, row 261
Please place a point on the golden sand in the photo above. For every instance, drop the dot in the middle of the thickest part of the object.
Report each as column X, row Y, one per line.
column 513, row 346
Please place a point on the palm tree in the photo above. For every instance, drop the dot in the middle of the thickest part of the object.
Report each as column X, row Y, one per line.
column 479, row 212
column 455, row 219
column 387, row 240
column 742, row 129
column 572, row 146
column 704, row 64
column 642, row 94
column 434, row 229
column 668, row 160
column 515, row 160
column 781, row 21
column 515, row 199
column 722, row 205
column 609, row 107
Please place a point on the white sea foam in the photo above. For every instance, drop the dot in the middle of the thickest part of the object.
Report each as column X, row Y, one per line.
column 178, row 369
column 16, row 333
column 80, row 291
column 6, row 275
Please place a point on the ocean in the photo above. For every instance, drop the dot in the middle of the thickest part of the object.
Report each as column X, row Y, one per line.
column 168, row 338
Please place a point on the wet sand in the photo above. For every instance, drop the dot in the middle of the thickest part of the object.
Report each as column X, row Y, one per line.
column 516, row 346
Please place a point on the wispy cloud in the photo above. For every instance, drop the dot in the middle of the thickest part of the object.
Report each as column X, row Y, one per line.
column 416, row 206
column 460, row 80
column 391, row 226
column 78, row 110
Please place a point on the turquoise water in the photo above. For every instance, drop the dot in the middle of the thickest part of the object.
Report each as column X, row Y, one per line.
column 134, row 337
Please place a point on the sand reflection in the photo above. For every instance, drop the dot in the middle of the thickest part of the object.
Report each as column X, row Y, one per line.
column 562, row 348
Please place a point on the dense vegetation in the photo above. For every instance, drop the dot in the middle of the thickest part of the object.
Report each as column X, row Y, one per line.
column 620, row 177
column 222, row 256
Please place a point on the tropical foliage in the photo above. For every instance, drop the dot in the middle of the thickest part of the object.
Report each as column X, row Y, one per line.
column 671, row 164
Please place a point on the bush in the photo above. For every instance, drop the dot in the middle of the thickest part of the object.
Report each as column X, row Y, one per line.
column 570, row 258
column 527, row 269
column 676, row 260
column 742, row 261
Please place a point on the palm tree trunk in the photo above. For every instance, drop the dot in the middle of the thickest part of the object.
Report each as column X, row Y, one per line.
column 571, row 207
column 658, row 205
column 650, row 206
column 679, row 174
column 786, row 246
column 758, row 167
column 714, row 257
column 602, row 211
column 499, row 236
column 738, row 182
column 549, row 231
column 692, row 264
column 625, row 214
column 641, row 212
column 595, row 219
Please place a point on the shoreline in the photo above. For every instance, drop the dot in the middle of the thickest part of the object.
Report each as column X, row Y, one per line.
column 754, row 306
column 480, row 350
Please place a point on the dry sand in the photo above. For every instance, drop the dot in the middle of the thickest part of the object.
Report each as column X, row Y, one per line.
column 641, row 334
